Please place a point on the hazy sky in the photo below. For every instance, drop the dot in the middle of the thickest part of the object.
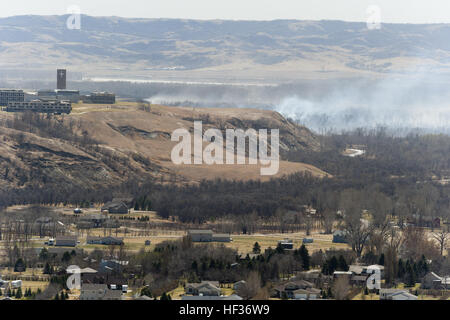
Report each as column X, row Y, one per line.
column 410, row 11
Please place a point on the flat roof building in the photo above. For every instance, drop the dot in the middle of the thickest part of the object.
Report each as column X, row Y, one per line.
column 102, row 98
column 54, row 107
column 11, row 95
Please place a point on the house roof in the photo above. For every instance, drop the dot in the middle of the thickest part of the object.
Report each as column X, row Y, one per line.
column 115, row 205
column 66, row 238
column 307, row 291
column 84, row 270
column 404, row 294
column 113, row 294
column 359, row 278
column 103, row 238
column 200, row 232
column 143, row 298
column 93, row 286
column 343, row 272
column 95, row 216
column 203, row 283
column 391, row 291
column 356, row 268
column 231, row 297
column 221, row 235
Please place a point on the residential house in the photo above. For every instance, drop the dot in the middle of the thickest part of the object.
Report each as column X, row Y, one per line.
column 221, row 237
column 204, row 288
column 97, row 291
column 92, row 221
column 433, row 281
column 313, row 276
column 340, row 236
column 286, row 290
column 104, row 240
column 81, row 271
column 286, row 244
column 144, row 297
column 209, row 298
column 306, row 294
column 396, row 294
column 361, row 270
column 239, row 285
column 66, row 241
column 359, row 280
column 208, row 236
column 201, row 235
column 342, row 274
column 108, row 266
column 116, row 207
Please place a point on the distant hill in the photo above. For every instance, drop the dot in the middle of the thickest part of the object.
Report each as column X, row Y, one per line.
column 173, row 48
column 99, row 146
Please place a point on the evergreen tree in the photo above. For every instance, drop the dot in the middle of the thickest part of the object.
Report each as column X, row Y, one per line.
column 326, row 268
column 47, row 269
column 19, row 266
column 381, row 260
column 19, row 293
column 304, row 254
column 342, row 264
column 410, row 275
column 401, row 269
column 146, row 292
column 164, row 296
column 66, row 257
column 329, row 293
column 256, row 248
column 333, row 264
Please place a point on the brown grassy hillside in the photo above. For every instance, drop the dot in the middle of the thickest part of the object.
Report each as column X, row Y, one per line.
column 100, row 145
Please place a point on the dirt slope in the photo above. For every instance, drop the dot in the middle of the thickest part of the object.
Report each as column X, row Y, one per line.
column 133, row 143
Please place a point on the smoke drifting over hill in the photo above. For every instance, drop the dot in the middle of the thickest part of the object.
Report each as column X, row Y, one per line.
column 395, row 103
column 412, row 102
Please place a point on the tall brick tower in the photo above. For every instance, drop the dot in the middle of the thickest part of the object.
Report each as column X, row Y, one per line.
column 61, row 79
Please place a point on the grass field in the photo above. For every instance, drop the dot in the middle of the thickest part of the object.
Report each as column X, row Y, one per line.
column 244, row 243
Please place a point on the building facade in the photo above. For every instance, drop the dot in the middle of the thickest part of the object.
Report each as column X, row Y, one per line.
column 55, row 107
column 102, row 98
column 10, row 95
column 61, row 79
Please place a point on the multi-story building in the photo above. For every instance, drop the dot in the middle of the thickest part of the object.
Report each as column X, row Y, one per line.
column 61, row 79
column 101, row 98
column 68, row 95
column 55, row 106
column 11, row 95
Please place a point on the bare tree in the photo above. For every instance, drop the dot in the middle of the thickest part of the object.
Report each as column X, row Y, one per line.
column 442, row 237
column 252, row 286
column 358, row 229
column 340, row 288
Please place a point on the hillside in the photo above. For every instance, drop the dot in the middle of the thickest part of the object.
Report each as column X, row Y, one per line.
column 258, row 51
column 100, row 146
